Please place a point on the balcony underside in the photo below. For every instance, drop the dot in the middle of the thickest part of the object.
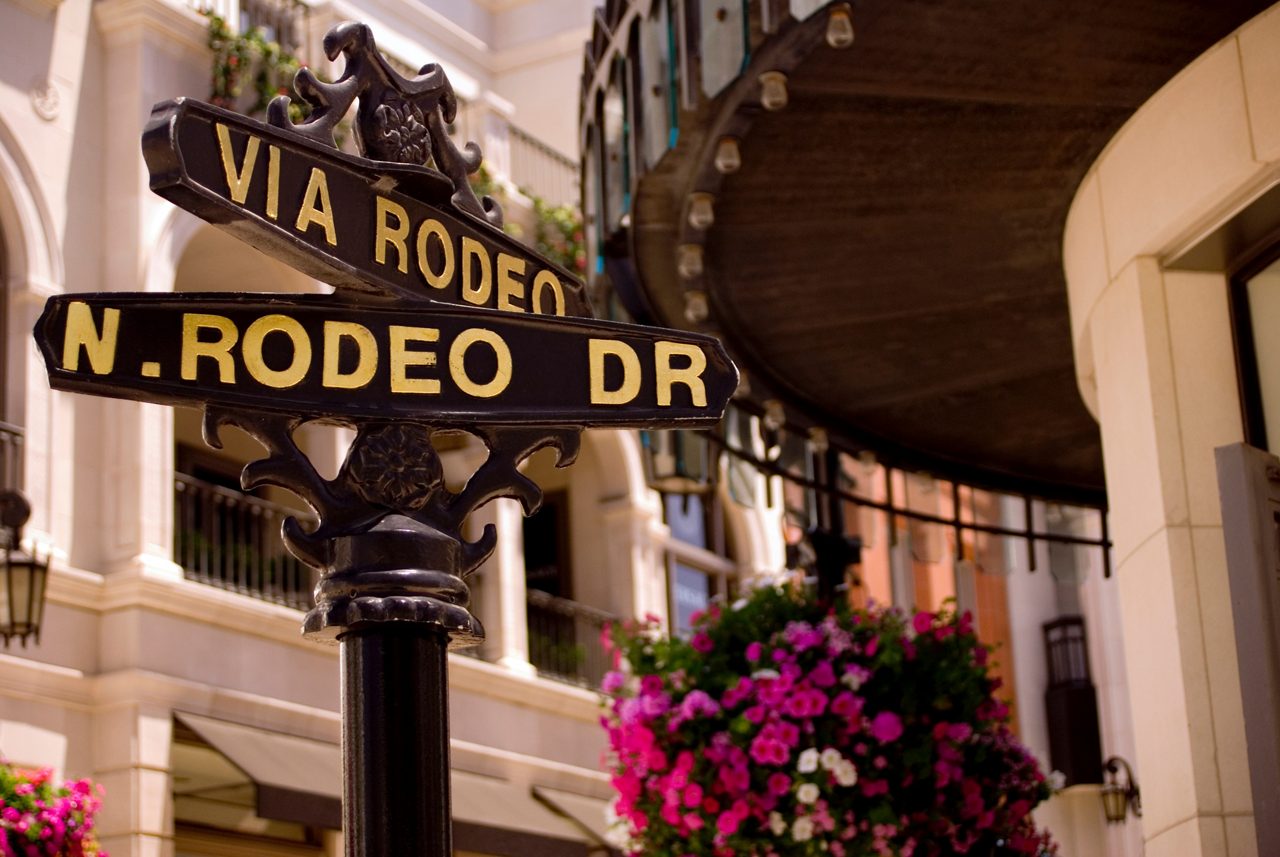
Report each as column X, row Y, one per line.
column 888, row 257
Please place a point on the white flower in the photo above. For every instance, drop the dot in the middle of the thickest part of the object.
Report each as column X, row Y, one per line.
column 808, row 761
column 851, row 680
column 830, row 758
column 807, row 793
column 759, row 674
column 739, row 604
column 802, row 830
column 617, row 830
column 1057, row 780
column 846, row 773
column 777, row 823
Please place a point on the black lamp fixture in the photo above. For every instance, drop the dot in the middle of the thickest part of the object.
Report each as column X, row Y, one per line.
column 1119, row 799
column 679, row 461
column 22, row 575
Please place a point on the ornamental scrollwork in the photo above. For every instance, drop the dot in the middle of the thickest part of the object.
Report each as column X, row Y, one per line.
column 389, row 506
column 398, row 120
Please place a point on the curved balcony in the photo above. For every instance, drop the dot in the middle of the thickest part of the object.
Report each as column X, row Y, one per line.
column 867, row 202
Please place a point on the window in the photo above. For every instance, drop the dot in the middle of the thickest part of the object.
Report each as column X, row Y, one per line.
column 699, row 567
column 1255, row 306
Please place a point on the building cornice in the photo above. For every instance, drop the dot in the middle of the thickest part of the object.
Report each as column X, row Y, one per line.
column 486, row 679
column 241, row 614
column 566, row 43
column 172, row 24
column 40, row 8
column 72, row 587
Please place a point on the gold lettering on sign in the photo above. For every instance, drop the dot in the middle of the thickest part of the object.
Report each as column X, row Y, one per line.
column 316, row 207
column 366, row 347
column 690, row 376
column 510, row 289
column 402, row 359
column 476, row 292
column 547, row 280
column 598, row 350
column 384, row 235
column 458, row 363
column 273, row 182
column 436, row 279
column 251, row 350
column 237, row 179
column 81, row 332
column 220, row 350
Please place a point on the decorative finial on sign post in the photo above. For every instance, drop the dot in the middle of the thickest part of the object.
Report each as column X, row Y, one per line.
column 398, row 120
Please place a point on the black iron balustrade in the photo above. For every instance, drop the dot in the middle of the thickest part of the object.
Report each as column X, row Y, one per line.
column 11, row 445
column 231, row 540
column 565, row 638
column 538, row 169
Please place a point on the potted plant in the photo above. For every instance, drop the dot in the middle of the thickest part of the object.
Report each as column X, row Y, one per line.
column 783, row 727
column 40, row 819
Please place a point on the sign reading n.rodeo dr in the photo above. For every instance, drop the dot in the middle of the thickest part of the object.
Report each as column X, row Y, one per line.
column 330, row 360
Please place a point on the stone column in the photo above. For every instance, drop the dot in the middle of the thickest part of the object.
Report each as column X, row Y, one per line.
column 1163, row 361
column 148, row 57
column 132, row 743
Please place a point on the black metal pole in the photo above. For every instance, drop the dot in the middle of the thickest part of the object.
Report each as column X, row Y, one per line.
column 395, row 741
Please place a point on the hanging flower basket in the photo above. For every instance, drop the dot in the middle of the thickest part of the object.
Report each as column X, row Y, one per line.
column 782, row 728
column 39, row 819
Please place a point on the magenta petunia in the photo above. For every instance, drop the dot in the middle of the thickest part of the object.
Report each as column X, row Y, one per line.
column 886, row 726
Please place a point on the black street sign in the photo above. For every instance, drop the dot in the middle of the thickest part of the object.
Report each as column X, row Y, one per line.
column 440, row 322
column 372, row 226
column 437, row 365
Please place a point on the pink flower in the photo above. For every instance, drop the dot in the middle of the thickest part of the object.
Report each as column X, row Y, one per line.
column 754, row 651
column 612, row 681
column 701, row 642
column 886, row 726
column 922, row 622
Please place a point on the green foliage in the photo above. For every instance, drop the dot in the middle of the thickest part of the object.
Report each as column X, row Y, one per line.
column 558, row 234
column 249, row 58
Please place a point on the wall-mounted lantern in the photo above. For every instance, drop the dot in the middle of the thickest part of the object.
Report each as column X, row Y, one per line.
column 1118, row 799
column 22, row 575
column 678, row 461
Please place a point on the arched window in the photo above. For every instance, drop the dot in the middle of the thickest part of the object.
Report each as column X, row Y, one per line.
column 10, row 434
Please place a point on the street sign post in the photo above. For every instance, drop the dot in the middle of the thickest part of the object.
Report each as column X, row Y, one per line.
column 439, row 322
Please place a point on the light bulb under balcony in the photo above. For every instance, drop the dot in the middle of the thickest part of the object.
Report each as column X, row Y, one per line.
column 701, row 211
column 689, row 261
column 775, row 416
column 696, row 309
column 818, row 440
column 840, row 28
column 728, row 158
column 773, row 90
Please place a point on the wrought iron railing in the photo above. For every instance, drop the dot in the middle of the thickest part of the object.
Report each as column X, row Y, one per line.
column 564, row 639
column 11, row 443
column 538, row 169
column 230, row 540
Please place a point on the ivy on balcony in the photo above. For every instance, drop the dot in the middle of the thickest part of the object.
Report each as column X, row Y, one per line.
column 250, row 59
